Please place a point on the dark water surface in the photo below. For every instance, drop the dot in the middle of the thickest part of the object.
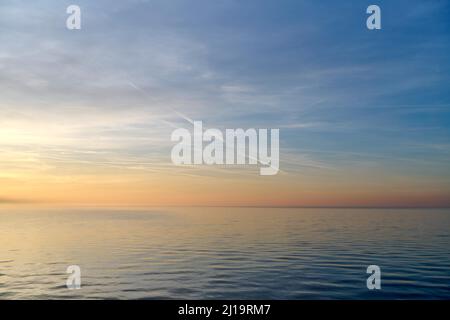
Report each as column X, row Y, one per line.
column 225, row 253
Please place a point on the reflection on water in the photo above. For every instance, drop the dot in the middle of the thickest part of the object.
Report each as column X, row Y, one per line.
column 224, row 253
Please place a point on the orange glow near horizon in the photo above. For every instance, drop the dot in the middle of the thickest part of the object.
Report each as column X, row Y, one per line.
column 230, row 187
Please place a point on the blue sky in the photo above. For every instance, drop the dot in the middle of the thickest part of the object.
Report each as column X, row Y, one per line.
column 345, row 98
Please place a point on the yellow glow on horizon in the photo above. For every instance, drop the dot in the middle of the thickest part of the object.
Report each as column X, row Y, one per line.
column 46, row 163
column 174, row 187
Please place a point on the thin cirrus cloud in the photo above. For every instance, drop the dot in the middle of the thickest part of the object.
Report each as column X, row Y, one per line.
column 100, row 103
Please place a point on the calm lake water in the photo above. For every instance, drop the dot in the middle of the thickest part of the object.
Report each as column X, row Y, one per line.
column 224, row 253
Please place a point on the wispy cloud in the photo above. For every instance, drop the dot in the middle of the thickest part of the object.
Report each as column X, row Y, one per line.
column 109, row 96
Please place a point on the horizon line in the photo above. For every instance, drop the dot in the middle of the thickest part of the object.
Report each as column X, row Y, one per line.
column 28, row 203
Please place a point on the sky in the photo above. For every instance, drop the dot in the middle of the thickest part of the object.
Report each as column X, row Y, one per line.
column 86, row 115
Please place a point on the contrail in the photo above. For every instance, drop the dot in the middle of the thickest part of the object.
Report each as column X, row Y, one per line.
column 186, row 118
column 132, row 84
